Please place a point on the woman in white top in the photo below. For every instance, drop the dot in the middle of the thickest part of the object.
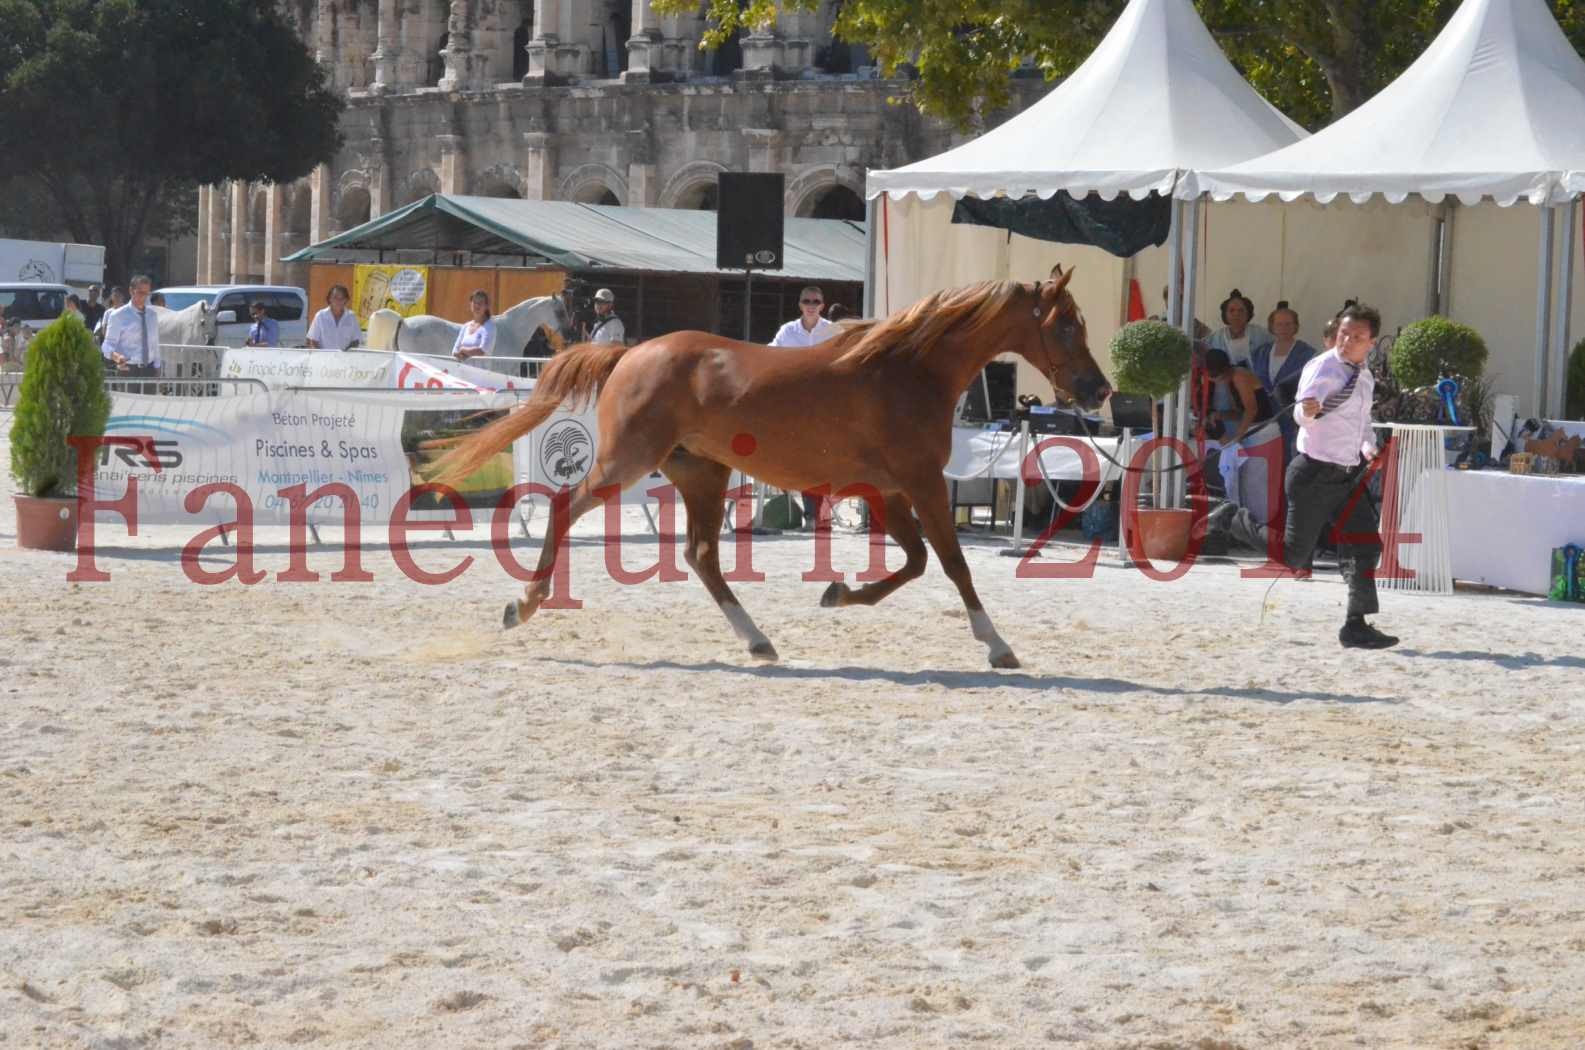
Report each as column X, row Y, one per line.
column 477, row 338
column 1237, row 338
column 335, row 327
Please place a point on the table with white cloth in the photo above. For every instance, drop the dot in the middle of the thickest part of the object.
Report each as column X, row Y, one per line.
column 982, row 457
column 1504, row 526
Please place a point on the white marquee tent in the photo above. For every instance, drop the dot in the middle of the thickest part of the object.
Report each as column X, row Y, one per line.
column 1493, row 110
column 1157, row 98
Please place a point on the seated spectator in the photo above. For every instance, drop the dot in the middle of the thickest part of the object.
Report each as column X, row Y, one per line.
column 157, row 299
column 1237, row 337
column 1237, row 406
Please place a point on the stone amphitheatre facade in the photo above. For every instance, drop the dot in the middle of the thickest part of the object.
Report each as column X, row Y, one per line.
column 599, row 101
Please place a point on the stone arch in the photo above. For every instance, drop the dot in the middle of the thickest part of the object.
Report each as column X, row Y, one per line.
column 807, row 193
column 353, row 203
column 692, row 186
column 258, row 208
column 594, row 184
column 499, row 180
column 420, row 184
column 298, row 209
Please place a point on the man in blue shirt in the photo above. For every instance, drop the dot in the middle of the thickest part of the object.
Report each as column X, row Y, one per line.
column 265, row 331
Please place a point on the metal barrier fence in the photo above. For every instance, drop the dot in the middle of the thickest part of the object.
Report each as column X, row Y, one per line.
column 514, row 367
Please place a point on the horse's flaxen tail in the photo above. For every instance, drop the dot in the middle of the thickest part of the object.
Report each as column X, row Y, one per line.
column 574, row 374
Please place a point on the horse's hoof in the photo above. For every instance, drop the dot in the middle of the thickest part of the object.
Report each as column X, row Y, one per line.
column 510, row 618
column 1006, row 661
column 833, row 596
column 763, row 651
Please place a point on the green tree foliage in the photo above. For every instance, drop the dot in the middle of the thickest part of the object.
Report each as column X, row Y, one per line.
column 1429, row 349
column 1150, row 358
column 114, row 106
column 1314, row 59
column 63, row 394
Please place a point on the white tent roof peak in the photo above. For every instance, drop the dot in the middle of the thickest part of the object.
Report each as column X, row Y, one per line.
column 1156, row 98
column 1493, row 108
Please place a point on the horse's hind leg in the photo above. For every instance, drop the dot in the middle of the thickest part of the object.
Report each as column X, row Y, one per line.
column 702, row 483
column 620, row 470
column 935, row 517
column 897, row 516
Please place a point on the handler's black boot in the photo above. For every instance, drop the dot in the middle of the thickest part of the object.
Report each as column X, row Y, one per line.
column 1357, row 634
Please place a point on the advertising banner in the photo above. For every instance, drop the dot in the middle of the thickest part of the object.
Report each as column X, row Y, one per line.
column 404, row 289
column 362, row 368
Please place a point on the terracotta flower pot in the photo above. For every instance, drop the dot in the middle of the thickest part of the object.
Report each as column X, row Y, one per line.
column 1164, row 534
column 46, row 523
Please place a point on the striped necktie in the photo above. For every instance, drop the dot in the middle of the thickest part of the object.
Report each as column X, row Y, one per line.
column 1335, row 401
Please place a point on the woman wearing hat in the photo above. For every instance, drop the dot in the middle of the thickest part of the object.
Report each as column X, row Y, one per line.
column 607, row 327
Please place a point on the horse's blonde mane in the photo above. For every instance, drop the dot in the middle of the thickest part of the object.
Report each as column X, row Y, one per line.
column 917, row 330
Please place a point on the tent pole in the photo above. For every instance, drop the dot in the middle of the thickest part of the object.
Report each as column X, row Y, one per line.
column 1557, row 389
column 1543, row 310
column 872, row 216
column 1169, row 406
column 1191, row 291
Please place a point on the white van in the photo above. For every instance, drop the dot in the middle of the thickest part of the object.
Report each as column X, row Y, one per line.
column 230, row 302
column 32, row 303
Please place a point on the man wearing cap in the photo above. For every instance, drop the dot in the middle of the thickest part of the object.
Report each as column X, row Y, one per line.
column 266, row 331
column 607, row 326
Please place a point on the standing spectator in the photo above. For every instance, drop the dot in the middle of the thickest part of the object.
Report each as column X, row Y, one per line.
column 335, row 327
column 266, row 331
column 608, row 327
column 808, row 328
column 132, row 334
column 118, row 298
column 74, row 305
column 93, row 309
column 477, row 337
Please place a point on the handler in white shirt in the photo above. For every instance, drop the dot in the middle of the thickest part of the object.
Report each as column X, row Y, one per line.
column 132, row 333
column 335, row 327
column 608, row 327
column 809, row 328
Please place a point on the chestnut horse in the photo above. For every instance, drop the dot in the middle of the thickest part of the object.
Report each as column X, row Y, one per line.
column 868, row 411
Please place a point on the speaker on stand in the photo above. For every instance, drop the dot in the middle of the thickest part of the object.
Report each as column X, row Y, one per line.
column 749, row 229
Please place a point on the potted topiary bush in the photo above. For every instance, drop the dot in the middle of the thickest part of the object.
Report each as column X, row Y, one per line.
column 1574, row 401
column 1151, row 358
column 1435, row 347
column 62, row 395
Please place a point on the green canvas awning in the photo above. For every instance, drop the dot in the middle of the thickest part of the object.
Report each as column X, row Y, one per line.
column 574, row 236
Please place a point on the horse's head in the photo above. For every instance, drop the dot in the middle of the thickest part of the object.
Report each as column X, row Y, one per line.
column 1059, row 344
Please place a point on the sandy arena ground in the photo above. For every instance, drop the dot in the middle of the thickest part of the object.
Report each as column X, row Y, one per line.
column 358, row 815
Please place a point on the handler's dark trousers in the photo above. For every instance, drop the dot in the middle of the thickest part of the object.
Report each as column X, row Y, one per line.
column 1318, row 496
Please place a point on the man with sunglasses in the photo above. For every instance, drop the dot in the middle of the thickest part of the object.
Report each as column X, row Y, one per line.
column 809, row 327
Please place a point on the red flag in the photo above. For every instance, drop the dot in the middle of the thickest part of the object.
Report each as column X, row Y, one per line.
column 1136, row 301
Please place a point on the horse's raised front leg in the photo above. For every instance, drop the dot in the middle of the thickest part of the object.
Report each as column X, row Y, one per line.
column 896, row 516
column 935, row 517
column 702, row 483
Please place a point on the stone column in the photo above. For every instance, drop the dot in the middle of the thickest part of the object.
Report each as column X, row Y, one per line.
column 799, row 31
column 645, row 52
column 420, row 43
column 555, row 53
column 387, row 49
column 763, row 52
column 464, row 64
column 239, row 231
column 319, row 192
column 324, row 42
column 217, row 233
column 451, row 164
column 202, row 268
column 274, row 231
column 539, row 166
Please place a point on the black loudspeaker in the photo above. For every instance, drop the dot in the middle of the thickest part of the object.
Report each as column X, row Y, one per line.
column 748, row 221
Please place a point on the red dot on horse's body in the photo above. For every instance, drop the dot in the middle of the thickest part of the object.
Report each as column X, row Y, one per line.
column 744, row 445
